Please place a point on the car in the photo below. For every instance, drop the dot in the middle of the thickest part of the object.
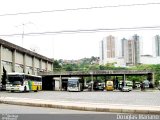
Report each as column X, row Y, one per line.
column 98, row 86
column 125, row 89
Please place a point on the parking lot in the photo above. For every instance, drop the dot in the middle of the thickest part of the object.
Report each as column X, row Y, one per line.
column 111, row 97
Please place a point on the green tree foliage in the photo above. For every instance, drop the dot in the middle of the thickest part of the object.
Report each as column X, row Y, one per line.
column 71, row 67
column 56, row 65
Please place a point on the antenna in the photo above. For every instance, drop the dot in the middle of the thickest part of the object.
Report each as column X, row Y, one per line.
column 23, row 25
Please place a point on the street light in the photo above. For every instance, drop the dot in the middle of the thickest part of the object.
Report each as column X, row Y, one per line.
column 92, row 80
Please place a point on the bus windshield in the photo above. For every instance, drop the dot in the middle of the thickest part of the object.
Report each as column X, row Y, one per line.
column 72, row 83
column 109, row 83
column 14, row 79
column 17, row 83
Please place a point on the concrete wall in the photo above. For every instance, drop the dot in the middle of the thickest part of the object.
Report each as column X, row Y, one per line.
column 43, row 65
column 17, row 59
column 150, row 60
column 6, row 54
column 50, row 67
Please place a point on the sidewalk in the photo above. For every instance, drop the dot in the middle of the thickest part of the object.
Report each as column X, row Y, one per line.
column 85, row 106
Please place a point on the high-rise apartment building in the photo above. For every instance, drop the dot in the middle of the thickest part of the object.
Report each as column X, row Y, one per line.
column 157, row 45
column 107, row 50
column 101, row 52
column 131, row 50
column 110, row 47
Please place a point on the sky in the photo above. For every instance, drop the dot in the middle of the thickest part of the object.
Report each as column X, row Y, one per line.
column 77, row 45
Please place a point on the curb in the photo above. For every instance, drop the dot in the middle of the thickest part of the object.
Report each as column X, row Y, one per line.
column 84, row 106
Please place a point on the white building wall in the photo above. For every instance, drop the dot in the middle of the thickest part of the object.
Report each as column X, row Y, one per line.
column 37, row 63
column 19, row 68
column 49, row 67
column 154, row 47
column 6, row 59
column 101, row 52
column 150, row 60
column 28, row 60
column 43, row 65
column 105, row 50
column 120, row 62
column 117, row 48
column 19, row 58
column 6, row 54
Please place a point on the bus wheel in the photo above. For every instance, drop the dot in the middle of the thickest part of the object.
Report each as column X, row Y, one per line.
column 12, row 90
column 25, row 89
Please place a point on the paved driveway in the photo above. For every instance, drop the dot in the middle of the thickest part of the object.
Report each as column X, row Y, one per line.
column 131, row 98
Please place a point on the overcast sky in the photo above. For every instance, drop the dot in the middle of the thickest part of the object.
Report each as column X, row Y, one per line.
column 77, row 45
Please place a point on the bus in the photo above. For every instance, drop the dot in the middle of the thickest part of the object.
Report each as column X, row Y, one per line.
column 75, row 84
column 109, row 85
column 23, row 82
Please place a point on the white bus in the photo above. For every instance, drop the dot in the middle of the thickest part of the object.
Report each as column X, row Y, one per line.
column 23, row 82
column 75, row 84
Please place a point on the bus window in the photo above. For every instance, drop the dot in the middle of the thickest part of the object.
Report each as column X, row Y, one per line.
column 13, row 78
column 17, row 83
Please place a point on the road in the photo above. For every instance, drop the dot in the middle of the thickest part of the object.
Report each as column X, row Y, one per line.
column 16, row 112
column 16, row 109
column 129, row 98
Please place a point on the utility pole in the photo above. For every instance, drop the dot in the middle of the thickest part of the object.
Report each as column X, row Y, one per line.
column 22, row 33
column 23, row 25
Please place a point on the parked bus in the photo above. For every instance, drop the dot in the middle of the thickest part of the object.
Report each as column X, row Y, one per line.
column 23, row 82
column 109, row 85
column 75, row 84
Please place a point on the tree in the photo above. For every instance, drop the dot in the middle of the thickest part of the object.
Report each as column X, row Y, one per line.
column 68, row 67
column 56, row 65
column 4, row 77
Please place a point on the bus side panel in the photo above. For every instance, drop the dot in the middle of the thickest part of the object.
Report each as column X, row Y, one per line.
column 34, row 85
column 30, row 85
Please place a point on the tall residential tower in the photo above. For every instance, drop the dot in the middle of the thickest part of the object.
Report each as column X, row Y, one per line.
column 131, row 50
column 157, row 45
column 107, row 50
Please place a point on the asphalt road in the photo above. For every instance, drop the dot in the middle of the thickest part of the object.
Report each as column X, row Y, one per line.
column 17, row 109
column 130, row 98
column 15, row 112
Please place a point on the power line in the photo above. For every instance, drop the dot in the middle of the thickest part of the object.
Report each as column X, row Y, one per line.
column 75, row 9
column 85, row 31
